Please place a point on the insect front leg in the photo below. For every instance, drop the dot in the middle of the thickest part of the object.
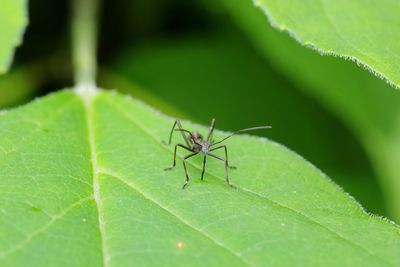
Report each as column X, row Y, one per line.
column 174, row 162
column 204, row 167
column 178, row 124
column 184, row 166
column 226, row 154
column 226, row 168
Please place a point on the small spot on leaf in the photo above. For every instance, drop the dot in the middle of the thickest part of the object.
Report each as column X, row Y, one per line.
column 180, row 245
column 35, row 209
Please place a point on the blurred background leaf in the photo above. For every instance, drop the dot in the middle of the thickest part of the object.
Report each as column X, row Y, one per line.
column 17, row 86
column 13, row 20
column 356, row 30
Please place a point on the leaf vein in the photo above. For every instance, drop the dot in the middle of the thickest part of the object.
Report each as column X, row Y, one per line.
column 182, row 220
column 40, row 230
column 32, row 133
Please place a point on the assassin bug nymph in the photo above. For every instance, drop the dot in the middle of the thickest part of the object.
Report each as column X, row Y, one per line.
column 195, row 143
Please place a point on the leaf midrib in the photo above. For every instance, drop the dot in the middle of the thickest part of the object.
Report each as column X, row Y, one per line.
column 249, row 191
column 88, row 104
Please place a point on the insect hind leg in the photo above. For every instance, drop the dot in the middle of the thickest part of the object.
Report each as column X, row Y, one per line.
column 226, row 169
column 226, row 155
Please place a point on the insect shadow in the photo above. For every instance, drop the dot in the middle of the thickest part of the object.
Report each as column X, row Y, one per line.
column 195, row 143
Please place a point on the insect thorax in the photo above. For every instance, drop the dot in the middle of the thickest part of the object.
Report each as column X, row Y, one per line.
column 196, row 147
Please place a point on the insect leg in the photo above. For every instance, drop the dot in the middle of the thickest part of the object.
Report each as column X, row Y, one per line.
column 211, row 130
column 184, row 166
column 170, row 134
column 226, row 168
column 174, row 162
column 178, row 124
column 226, row 154
column 204, row 167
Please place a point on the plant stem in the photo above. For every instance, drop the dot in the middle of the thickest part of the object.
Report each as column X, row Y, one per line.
column 84, row 42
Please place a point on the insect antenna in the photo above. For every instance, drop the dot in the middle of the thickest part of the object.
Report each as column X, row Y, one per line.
column 242, row 130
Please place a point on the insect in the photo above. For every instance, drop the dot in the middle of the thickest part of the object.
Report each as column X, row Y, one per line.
column 196, row 144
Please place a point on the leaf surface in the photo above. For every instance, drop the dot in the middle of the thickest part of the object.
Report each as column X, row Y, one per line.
column 362, row 31
column 82, row 183
column 13, row 20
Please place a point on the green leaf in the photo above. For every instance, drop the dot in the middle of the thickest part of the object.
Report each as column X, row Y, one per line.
column 367, row 105
column 13, row 20
column 365, row 32
column 20, row 84
column 82, row 184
